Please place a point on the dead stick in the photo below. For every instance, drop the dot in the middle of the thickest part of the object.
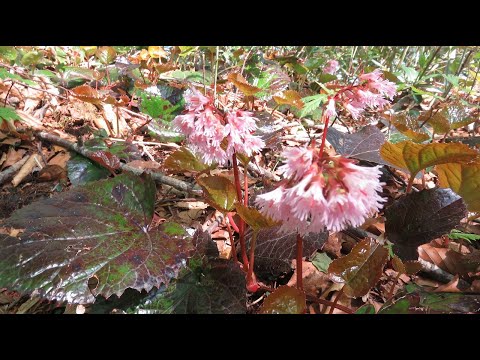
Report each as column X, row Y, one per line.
column 5, row 175
column 157, row 176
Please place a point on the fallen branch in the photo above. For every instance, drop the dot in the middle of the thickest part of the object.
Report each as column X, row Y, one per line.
column 157, row 176
column 440, row 275
column 5, row 175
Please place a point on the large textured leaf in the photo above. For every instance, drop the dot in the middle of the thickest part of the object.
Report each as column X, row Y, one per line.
column 285, row 300
column 274, row 250
column 420, row 217
column 361, row 268
column 182, row 160
column 239, row 81
column 99, row 231
column 8, row 53
column 415, row 157
column 217, row 290
column 363, row 145
column 464, row 179
column 452, row 117
column 219, row 192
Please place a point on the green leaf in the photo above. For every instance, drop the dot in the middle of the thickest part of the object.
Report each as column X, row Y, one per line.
column 193, row 76
column 325, row 78
column 464, row 179
column 361, row 268
column 452, row 79
column 106, row 54
column 458, row 235
column 321, row 261
column 8, row 53
column 219, row 192
column 409, row 73
column 82, row 170
column 285, row 300
column 157, row 107
column 420, row 217
column 218, row 288
column 7, row 114
column 254, row 218
column 97, row 232
column 182, row 160
column 311, row 103
column 415, row 157
column 367, row 309
column 4, row 74
column 31, row 58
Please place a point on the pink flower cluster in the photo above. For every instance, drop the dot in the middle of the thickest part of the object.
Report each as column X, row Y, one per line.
column 319, row 193
column 370, row 92
column 331, row 67
column 206, row 129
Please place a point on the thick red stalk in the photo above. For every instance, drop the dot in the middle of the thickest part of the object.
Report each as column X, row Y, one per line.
column 232, row 241
column 250, row 277
column 241, row 224
column 299, row 262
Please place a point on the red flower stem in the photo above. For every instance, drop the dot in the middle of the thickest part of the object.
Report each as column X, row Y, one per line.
column 410, row 184
column 299, row 262
column 391, row 293
column 329, row 303
column 232, row 222
column 334, row 305
column 245, row 185
column 324, row 135
column 241, row 224
column 232, row 241
column 252, row 257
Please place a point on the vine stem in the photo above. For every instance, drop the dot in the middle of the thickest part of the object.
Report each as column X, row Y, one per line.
column 299, row 262
column 334, row 305
column 241, row 224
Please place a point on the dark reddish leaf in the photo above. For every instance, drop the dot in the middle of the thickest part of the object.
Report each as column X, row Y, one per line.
column 285, row 300
column 361, row 268
column 363, row 145
column 218, row 289
column 398, row 265
column 99, row 231
column 275, row 250
column 419, row 217
column 412, row 267
column 219, row 192
column 106, row 159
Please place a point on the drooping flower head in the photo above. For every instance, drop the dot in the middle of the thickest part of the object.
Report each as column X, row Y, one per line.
column 331, row 67
column 206, row 129
column 322, row 192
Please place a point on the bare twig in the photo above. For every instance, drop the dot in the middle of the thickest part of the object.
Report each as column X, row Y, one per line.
column 157, row 176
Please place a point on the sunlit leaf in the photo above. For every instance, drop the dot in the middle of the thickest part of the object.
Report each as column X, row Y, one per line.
column 182, row 160
column 361, row 268
column 289, row 97
column 219, row 192
column 409, row 127
column 239, row 81
column 8, row 53
column 254, row 218
column 284, row 300
column 464, row 179
column 7, row 114
column 415, row 157
column 89, row 50
column 88, row 94
column 31, row 58
column 106, row 54
column 157, row 52
column 420, row 217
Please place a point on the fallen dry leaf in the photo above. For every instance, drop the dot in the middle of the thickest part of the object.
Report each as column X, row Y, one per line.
column 52, row 173
column 315, row 282
column 60, row 159
column 444, row 258
column 333, row 245
column 451, row 286
column 13, row 156
column 143, row 164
